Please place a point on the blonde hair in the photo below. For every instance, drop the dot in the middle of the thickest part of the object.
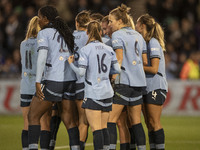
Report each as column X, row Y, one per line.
column 33, row 28
column 121, row 12
column 131, row 22
column 94, row 29
column 154, row 30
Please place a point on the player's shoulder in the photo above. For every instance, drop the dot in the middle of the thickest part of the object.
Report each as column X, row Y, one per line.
column 117, row 33
column 47, row 31
column 153, row 41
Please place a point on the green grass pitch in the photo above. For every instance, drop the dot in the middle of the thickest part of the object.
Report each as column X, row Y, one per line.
column 181, row 133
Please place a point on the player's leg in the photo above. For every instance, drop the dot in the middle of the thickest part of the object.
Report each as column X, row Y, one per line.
column 132, row 135
column 66, row 108
column 37, row 109
column 106, row 135
column 24, row 135
column 154, row 112
column 83, row 124
column 114, row 116
column 149, row 127
column 153, row 106
column 25, row 105
column 135, row 118
column 45, row 133
column 124, row 134
column 94, row 120
column 54, row 125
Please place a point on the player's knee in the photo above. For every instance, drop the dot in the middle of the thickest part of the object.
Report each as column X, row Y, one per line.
column 32, row 118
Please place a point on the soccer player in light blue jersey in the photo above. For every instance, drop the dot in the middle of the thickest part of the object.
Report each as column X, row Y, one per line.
column 106, row 30
column 95, row 61
column 28, row 51
column 130, row 49
column 156, row 79
column 55, row 45
column 80, row 40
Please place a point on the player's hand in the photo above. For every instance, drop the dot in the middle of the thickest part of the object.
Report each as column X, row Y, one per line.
column 71, row 59
column 39, row 92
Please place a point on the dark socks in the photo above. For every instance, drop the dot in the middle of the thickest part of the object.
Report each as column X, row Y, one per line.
column 82, row 145
column 74, row 138
column 159, row 139
column 106, row 138
column 140, row 136
column 33, row 136
column 24, row 139
column 133, row 141
column 113, row 135
column 125, row 146
column 98, row 139
column 45, row 139
column 152, row 140
column 55, row 123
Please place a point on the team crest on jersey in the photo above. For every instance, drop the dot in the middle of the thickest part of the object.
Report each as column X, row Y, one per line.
column 40, row 40
column 25, row 74
column 134, row 62
column 98, row 79
column 115, row 41
column 61, row 58
column 81, row 59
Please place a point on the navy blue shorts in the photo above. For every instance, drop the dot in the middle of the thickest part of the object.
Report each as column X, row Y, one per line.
column 25, row 100
column 127, row 95
column 103, row 105
column 156, row 97
column 57, row 91
column 80, row 91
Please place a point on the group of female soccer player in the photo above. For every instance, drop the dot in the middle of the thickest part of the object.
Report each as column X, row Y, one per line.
column 105, row 73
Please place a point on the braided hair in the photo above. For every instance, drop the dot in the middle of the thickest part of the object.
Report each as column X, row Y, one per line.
column 58, row 23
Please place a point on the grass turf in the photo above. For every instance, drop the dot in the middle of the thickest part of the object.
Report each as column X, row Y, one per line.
column 181, row 133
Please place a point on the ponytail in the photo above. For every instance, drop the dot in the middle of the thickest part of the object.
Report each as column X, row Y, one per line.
column 94, row 29
column 121, row 12
column 154, row 30
column 65, row 32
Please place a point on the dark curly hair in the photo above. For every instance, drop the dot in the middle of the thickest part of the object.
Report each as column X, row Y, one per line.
column 58, row 23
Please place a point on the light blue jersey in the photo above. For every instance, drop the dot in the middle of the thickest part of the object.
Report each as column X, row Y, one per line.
column 157, row 81
column 80, row 40
column 133, row 45
column 28, row 51
column 97, row 58
column 57, row 67
column 106, row 40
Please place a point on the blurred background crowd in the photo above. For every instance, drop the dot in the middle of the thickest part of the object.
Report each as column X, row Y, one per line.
column 179, row 18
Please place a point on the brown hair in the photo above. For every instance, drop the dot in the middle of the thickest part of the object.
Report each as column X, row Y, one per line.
column 83, row 18
column 33, row 28
column 121, row 12
column 94, row 29
column 97, row 16
column 105, row 19
column 153, row 29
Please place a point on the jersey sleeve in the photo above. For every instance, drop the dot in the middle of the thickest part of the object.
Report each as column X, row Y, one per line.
column 154, row 49
column 117, row 42
column 144, row 48
column 114, row 58
column 42, row 41
column 83, row 59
